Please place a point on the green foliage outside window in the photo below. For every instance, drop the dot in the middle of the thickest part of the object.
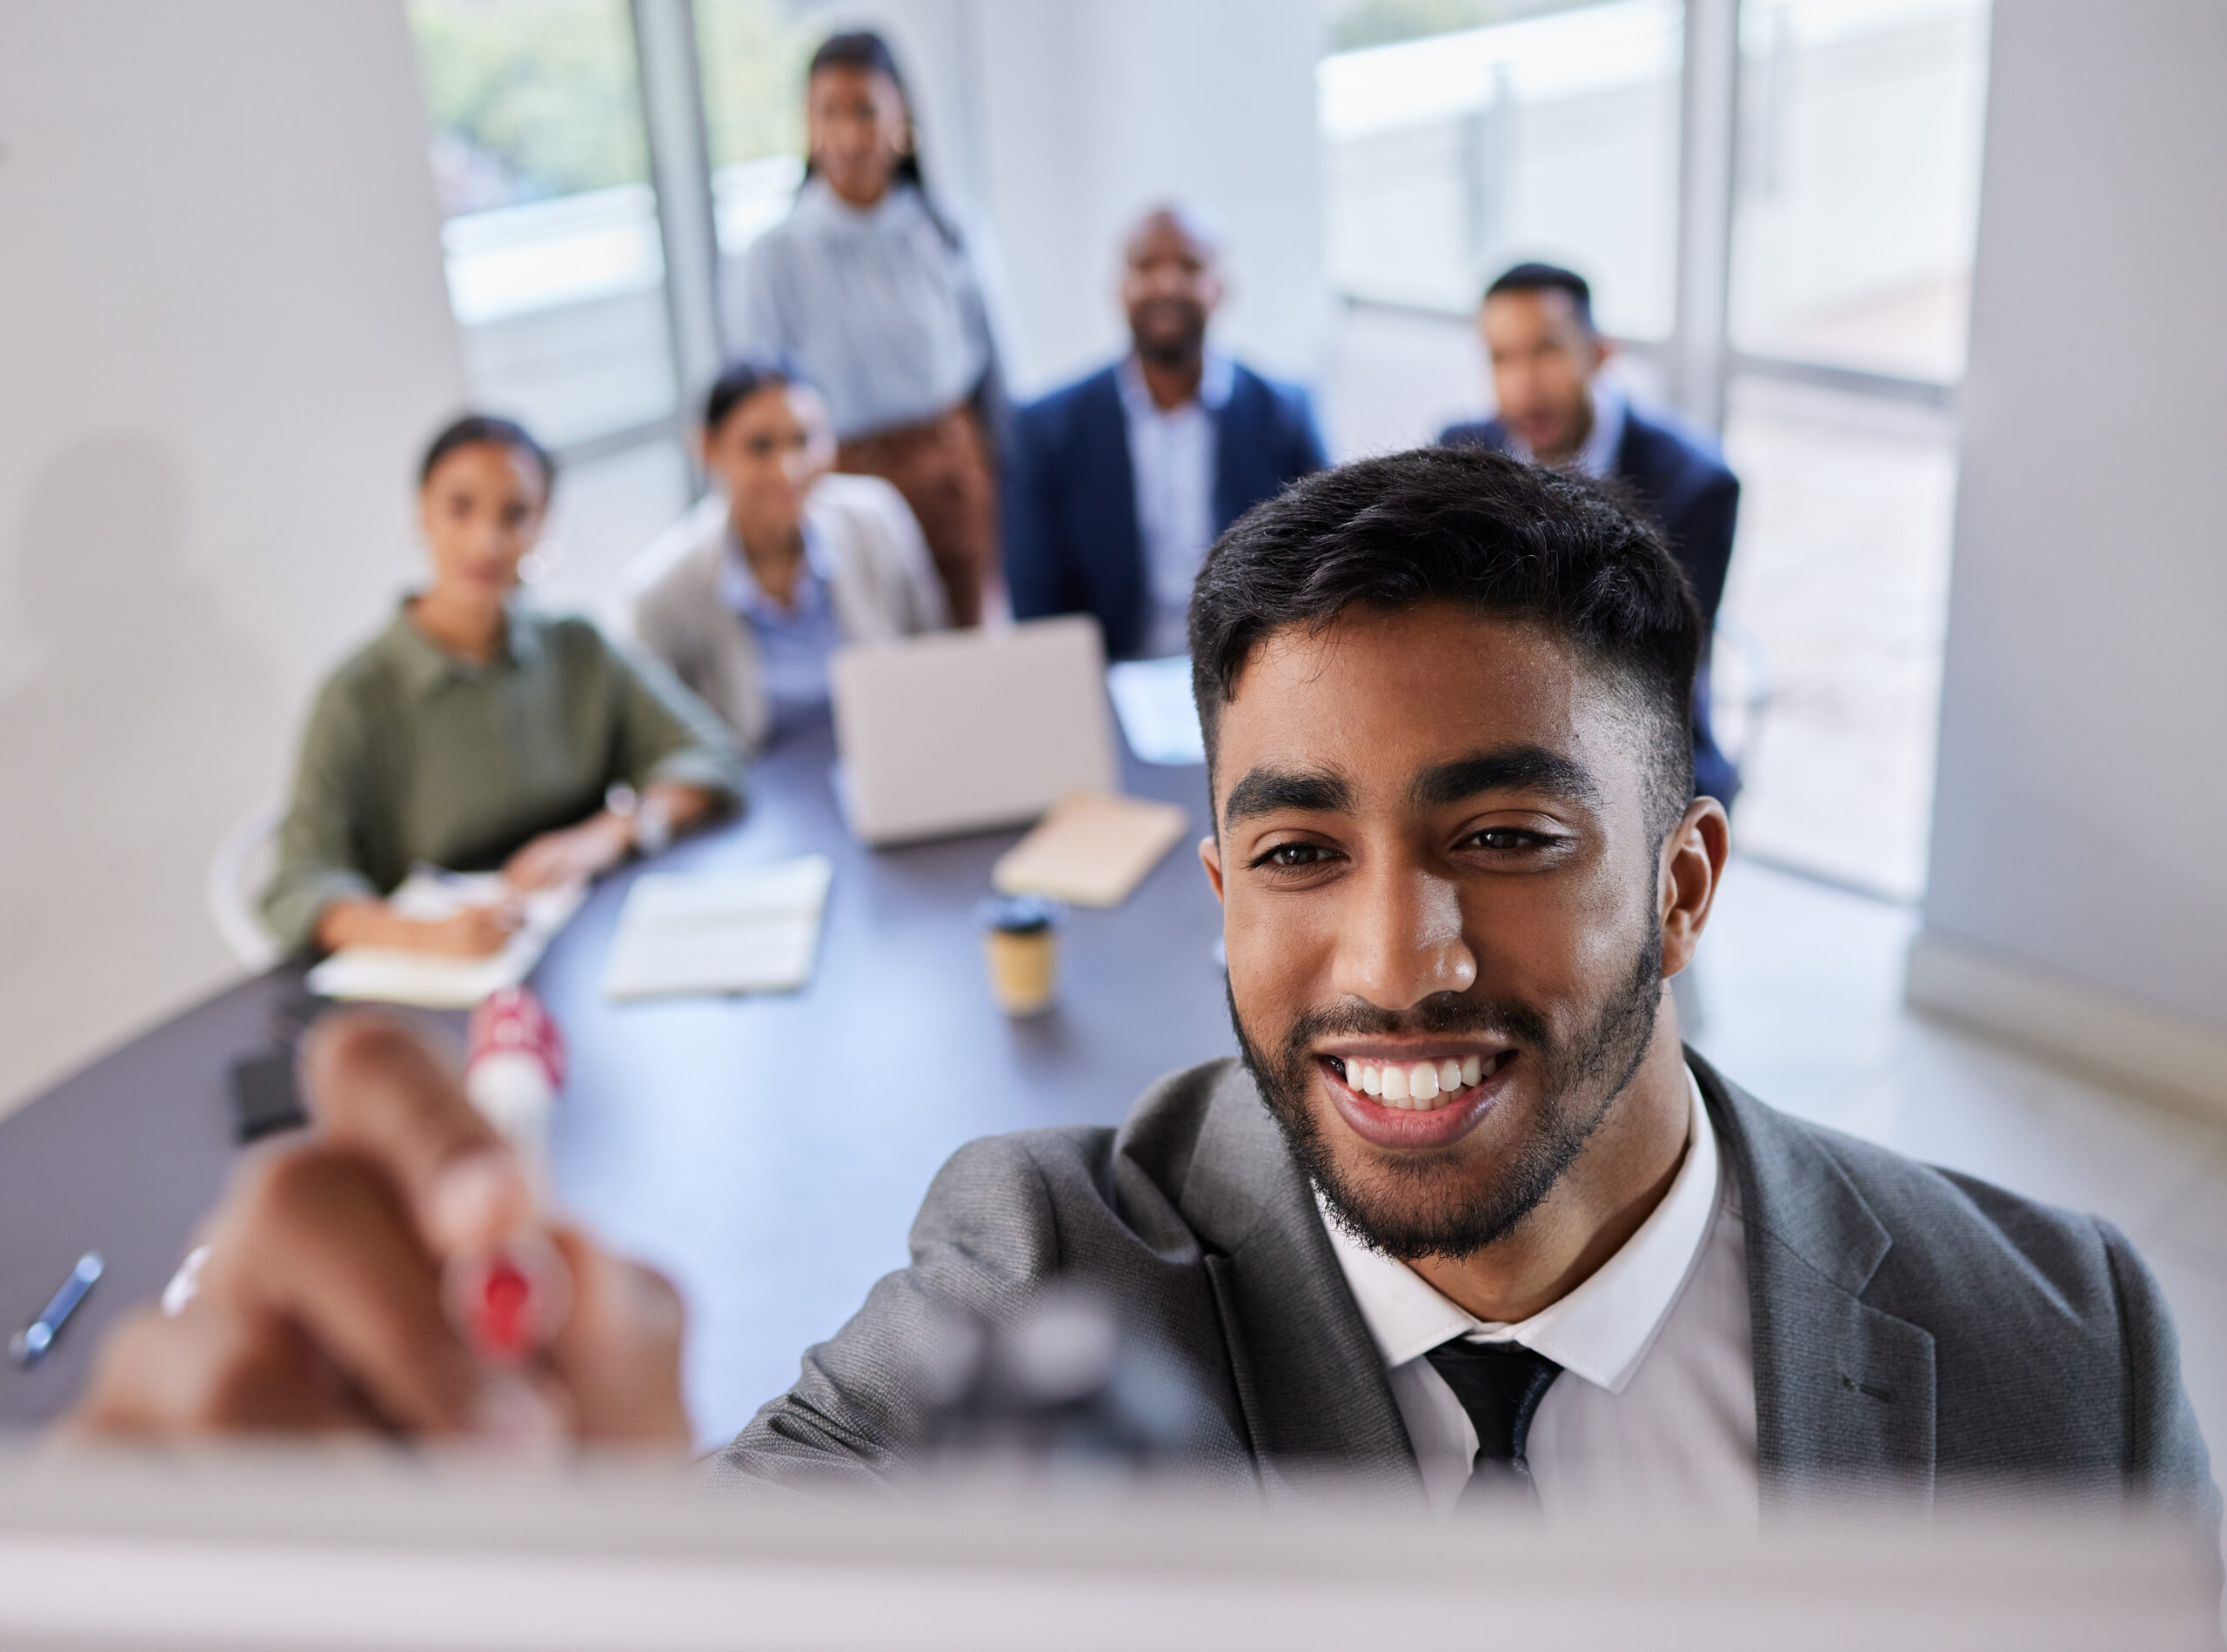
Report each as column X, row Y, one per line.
column 529, row 98
column 753, row 54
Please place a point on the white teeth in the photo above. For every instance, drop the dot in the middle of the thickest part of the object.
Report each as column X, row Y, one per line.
column 1416, row 1085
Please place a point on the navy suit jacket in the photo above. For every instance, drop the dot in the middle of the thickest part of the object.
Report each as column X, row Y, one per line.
column 1680, row 482
column 1072, row 542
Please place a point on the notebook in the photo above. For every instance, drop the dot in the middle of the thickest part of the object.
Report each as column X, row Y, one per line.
column 1091, row 850
column 389, row 975
column 683, row 933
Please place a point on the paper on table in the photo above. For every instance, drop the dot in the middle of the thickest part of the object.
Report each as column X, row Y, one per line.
column 390, row 975
column 690, row 932
column 1090, row 850
column 1153, row 699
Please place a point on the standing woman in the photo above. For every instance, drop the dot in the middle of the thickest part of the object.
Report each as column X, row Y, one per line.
column 473, row 733
column 870, row 288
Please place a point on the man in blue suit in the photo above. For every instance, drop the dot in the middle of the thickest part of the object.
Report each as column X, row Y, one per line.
column 1115, row 486
column 1556, row 409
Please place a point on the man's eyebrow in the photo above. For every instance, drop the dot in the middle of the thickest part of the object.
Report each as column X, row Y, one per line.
column 1508, row 768
column 1266, row 791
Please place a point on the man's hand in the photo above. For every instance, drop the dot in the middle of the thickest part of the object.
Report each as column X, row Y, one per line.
column 573, row 855
column 319, row 1306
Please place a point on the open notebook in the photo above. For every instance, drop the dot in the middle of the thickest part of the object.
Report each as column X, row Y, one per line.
column 691, row 932
column 389, row 976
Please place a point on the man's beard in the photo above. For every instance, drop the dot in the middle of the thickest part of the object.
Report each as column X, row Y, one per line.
column 1178, row 345
column 1435, row 1210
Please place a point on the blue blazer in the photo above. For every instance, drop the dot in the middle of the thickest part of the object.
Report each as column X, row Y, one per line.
column 1680, row 481
column 1072, row 544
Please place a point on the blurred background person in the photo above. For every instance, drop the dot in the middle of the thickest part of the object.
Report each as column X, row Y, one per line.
column 472, row 733
column 1557, row 408
column 745, row 596
column 1116, row 485
column 871, row 288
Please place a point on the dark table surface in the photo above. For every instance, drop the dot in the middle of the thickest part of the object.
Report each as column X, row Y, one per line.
column 768, row 1151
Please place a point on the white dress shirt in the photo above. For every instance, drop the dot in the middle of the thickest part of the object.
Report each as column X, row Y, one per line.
column 1654, row 1413
column 1171, row 457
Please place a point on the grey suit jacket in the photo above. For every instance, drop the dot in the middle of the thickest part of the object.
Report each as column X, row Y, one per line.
column 1912, row 1326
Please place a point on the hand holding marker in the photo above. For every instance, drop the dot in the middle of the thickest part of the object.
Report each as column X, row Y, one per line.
column 510, row 1300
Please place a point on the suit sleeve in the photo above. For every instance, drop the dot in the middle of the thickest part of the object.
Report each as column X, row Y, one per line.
column 1307, row 452
column 1033, row 577
column 860, row 1412
column 2167, row 1461
column 1706, row 536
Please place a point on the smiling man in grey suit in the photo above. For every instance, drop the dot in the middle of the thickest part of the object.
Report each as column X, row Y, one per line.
column 1465, row 1216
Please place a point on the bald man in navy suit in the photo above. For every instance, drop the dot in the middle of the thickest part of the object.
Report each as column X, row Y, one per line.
column 1556, row 409
column 1115, row 486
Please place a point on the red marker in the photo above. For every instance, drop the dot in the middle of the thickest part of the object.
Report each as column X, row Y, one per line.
column 510, row 1302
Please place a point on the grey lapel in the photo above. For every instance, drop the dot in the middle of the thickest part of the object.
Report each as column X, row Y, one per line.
column 1309, row 1375
column 1844, row 1392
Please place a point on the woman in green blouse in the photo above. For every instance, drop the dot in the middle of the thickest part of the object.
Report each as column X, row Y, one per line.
column 474, row 734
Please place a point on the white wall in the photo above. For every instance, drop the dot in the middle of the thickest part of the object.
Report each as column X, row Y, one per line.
column 2080, row 822
column 223, row 332
column 1056, row 125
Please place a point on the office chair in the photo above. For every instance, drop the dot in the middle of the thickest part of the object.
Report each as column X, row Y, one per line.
column 238, row 870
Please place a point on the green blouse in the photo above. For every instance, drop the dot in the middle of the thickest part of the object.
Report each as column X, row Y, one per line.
column 413, row 755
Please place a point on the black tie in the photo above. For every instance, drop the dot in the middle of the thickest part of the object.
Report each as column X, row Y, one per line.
column 1499, row 1385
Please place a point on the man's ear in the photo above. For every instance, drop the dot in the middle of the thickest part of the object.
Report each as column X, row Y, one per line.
column 1686, row 878
column 1210, row 857
column 1603, row 348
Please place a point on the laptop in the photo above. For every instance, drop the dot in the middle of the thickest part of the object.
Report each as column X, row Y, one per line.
column 970, row 730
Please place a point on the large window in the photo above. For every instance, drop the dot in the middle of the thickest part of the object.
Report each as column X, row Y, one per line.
column 1859, row 180
column 1460, row 135
column 1448, row 156
column 556, row 269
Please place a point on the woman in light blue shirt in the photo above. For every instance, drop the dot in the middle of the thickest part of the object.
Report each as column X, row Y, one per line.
column 872, row 290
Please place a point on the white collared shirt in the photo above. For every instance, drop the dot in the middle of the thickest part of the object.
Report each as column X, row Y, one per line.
column 1655, row 1412
column 1597, row 458
column 1171, row 457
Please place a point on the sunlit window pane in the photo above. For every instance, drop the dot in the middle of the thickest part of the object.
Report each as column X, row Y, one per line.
column 1859, row 181
column 556, row 269
column 753, row 54
column 1448, row 157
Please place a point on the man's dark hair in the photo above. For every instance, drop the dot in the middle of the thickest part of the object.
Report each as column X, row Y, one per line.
column 473, row 428
column 740, row 380
column 1471, row 527
column 1547, row 277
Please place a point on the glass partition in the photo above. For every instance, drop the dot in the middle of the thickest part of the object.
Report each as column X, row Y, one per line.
column 556, row 269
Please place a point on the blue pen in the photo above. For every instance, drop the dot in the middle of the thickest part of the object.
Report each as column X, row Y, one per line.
column 29, row 1345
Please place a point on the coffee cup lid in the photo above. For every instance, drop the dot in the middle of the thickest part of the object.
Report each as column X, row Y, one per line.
column 1018, row 915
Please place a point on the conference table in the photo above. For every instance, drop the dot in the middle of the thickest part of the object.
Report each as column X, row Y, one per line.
column 766, row 1152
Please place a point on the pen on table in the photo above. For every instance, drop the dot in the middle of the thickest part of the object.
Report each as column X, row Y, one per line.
column 29, row 1345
